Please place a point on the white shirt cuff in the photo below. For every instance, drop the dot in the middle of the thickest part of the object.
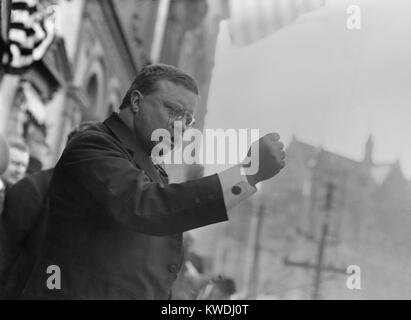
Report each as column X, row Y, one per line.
column 235, row 186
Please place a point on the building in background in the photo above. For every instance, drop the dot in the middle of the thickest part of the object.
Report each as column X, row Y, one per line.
column 100, row 45
column 108, row 46
column 35, row 67
column 271, row 245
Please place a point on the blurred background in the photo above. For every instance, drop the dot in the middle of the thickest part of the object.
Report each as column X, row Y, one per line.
column 339, row 98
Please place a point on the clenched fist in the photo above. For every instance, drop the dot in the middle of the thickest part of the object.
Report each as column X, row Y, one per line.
column 265, row 159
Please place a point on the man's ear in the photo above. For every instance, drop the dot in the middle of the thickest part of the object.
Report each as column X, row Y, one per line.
column 136, row 98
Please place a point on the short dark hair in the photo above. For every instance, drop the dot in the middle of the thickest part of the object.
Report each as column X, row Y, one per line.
column 147, row 78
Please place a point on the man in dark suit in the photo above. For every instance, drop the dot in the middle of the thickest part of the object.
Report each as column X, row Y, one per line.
column 115, row 224
column 23, row 226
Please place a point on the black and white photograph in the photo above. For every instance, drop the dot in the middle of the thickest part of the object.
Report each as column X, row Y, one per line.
column 213, row 150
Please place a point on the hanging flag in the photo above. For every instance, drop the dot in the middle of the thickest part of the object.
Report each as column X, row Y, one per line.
column 31, row 32
column 251, row 20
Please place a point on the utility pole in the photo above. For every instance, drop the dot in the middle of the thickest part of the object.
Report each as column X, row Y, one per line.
column 252, row 272
column 319, row 266
column 324, row 234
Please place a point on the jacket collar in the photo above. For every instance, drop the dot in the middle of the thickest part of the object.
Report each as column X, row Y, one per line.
column 134, row 146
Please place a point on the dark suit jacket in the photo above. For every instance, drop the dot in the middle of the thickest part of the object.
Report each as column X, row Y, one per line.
column 22, row 229
column 114, row 226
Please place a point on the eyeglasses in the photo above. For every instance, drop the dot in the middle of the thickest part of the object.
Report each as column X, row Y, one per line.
column 177, row 113
column 180, row 114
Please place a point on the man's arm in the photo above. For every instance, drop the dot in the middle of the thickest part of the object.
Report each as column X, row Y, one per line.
column 124, row 193
column 96, row 163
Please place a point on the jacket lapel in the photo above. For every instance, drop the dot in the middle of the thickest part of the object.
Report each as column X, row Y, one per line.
column 130, row 142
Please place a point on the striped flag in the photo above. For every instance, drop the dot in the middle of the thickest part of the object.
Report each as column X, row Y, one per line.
column 31, row 32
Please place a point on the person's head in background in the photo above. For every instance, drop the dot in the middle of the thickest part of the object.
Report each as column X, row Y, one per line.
column 19, row 161
column 79, row 128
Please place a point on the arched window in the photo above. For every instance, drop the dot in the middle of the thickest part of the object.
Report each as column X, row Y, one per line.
column 92, row 93
column 95, row 87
